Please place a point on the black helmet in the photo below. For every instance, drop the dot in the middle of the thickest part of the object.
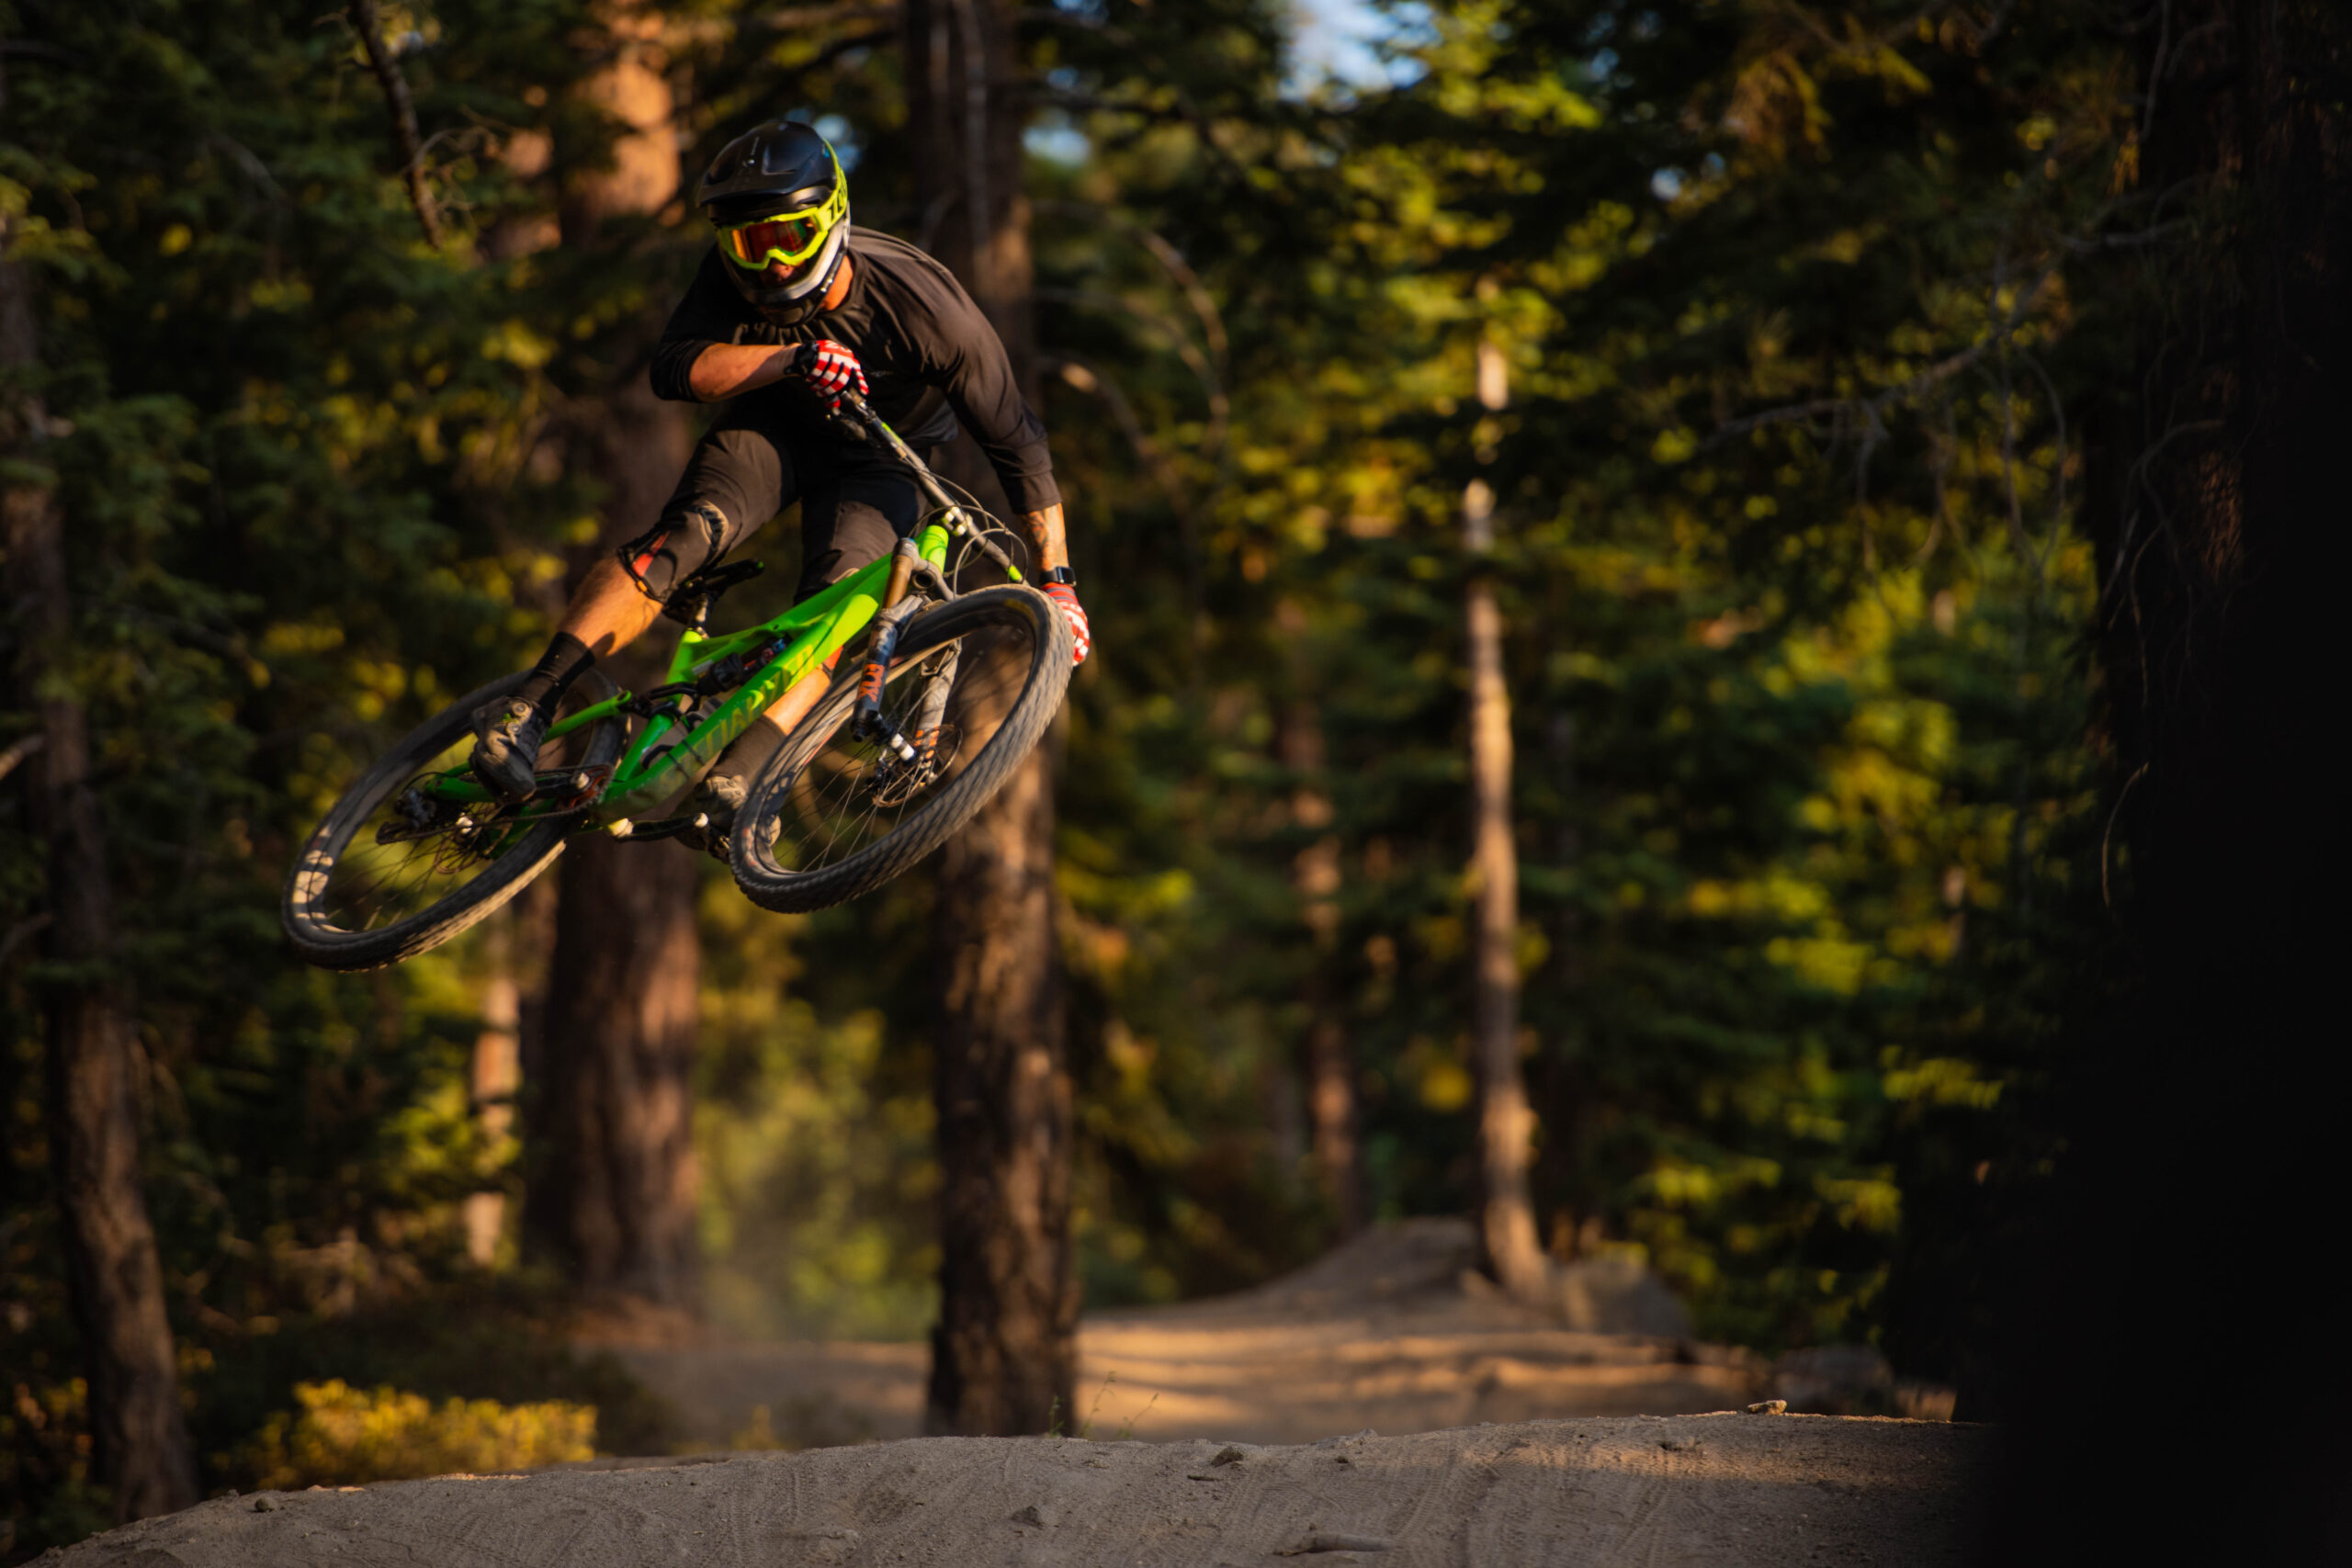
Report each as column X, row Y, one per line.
column 781, row 204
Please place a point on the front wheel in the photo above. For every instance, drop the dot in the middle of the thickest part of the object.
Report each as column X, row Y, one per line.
column 835, row 814
column 404, row 862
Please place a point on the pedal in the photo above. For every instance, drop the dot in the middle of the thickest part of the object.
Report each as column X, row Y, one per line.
column 568, row 789
column 690, row 603
column 653, row 832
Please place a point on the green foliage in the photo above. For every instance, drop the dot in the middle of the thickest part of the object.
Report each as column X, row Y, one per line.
column 346, row 1435
column 1786, row 557
column 1786, row 489
column 462, row 1340
column 294, row 452
column 814, row 1140
column 45, row 1466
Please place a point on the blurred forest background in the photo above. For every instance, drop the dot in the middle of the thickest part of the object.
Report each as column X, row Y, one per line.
column 1751, row 362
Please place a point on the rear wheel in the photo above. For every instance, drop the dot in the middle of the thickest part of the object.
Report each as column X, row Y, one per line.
column 835, row 814
column 398, row 868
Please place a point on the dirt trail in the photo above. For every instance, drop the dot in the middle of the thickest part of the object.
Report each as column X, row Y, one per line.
column 1390, row 1331
column 1728, row 1489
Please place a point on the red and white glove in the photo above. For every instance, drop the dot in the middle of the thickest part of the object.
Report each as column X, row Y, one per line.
column 829, row 368
column 1082, row 640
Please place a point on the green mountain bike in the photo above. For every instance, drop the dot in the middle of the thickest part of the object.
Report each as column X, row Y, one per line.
column 945, row 696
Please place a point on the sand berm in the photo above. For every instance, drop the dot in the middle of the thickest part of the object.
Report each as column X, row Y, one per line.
column 1718, row 1489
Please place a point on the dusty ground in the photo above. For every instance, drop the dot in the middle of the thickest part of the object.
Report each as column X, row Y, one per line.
column 1724, row 1489
column 1391, row 1331
column 1240, row 1398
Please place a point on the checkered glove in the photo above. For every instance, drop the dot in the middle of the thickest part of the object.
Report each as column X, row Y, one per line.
column 829, row 368
column 1082, row 640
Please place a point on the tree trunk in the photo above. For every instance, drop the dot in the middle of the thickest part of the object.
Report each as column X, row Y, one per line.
column 1315, row 880
column 1506, row 1127
column 2208, row 1102
column 1004, row 1354
column 965, row 114
column 1555, row 1091
column 614, row 1191
column 495, row 1076
column 114, row 1278
column 614, row 1179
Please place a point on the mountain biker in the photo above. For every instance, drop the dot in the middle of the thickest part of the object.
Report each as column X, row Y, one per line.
column 791, row 307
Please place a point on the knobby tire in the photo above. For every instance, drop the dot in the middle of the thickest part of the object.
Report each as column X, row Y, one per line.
column 320, row 942
column 750, row 850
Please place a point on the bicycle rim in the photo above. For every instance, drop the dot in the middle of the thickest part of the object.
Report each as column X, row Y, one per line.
column 833, row 816
column 855, row 791
column 394, row 859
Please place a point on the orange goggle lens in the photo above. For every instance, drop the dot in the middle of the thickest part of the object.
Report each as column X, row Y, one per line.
column 790, row 239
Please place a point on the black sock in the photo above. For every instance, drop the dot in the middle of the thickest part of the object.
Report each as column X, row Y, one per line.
column 566, row 658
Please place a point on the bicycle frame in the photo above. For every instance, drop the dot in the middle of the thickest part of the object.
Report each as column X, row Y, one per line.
column 809, row 634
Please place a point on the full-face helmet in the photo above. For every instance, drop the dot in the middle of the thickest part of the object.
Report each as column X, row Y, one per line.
column 780, row 202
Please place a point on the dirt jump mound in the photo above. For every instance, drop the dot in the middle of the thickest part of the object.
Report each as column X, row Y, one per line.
column 1725, row 1489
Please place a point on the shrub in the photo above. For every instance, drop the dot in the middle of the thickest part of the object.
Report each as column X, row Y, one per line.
column 347, row 1436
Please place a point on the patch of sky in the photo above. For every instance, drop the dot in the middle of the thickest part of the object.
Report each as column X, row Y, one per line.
column 1667, row 184
column 836, row 129
column 1054, row 135
column 1340, row 48
column 1055, row 139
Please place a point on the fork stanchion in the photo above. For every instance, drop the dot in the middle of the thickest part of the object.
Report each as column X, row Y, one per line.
column 903, row 561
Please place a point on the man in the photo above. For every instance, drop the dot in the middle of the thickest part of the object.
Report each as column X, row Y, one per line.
column 790, row 309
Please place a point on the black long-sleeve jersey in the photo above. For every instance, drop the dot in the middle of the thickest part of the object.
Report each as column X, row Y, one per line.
column 931, row 358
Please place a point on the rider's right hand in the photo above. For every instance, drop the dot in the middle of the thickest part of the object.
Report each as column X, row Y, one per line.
column 1082, row 635
column 829, row 368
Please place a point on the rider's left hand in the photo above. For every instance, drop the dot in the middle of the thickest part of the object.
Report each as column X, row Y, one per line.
column 829, row 368
column 1082, row 639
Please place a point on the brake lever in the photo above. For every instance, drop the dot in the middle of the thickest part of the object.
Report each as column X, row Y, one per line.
column 853, row 411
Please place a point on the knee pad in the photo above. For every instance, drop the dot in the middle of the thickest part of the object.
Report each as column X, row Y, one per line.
column 674, row 549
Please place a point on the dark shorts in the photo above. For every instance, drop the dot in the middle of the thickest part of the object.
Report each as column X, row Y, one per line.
column 766, row 453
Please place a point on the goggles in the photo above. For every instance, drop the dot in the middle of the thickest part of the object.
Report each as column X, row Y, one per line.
column 787, row 238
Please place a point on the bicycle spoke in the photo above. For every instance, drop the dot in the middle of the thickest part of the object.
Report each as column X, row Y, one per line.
column 856, row 790
column 375, row 884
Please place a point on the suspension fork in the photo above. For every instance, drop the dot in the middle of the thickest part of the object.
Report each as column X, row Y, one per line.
column 906, row 567
column 932, row 714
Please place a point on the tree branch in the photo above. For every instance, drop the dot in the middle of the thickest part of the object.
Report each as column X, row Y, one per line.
column 1185, row 110
column 23, row 931
column 1196, row 294
column 24, row 746
column 403, row 112
column 1212, row 387
column 1088, row 379
column 808, row 18
column 1871, row 408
